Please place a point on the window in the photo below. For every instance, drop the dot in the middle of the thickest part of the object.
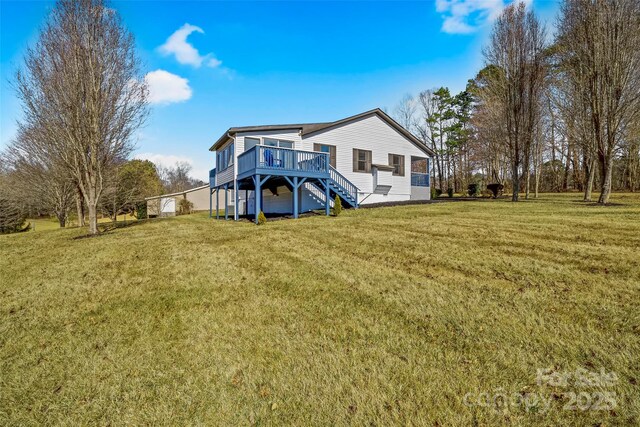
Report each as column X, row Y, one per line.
column 397, row 161
column 225, row 158
column 271, row 142
column 331, row 149
column 361, row 160
column 220, row 163
column 419, row 172
column 419, row 165
column 231, row 154
column 249, row 143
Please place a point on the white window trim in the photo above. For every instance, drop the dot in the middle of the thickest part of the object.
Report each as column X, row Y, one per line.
column 262, row 138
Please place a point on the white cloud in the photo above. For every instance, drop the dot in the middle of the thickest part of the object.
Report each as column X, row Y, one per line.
column 466, row 16
column 456, row 25
column 184, row 51
column 164, row 160
column 166, row 88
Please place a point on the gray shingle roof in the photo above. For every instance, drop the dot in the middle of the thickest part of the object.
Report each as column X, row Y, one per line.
column 310, row 128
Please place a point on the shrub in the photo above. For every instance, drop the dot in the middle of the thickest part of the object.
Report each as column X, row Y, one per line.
column 450, row 192
column 495, row 188
column 184, row 207
column 433, row 193
column 141, row 210
column 438, row 192
column 261, row 218
column 472, row 189
column 337, row 206
column 12, row 216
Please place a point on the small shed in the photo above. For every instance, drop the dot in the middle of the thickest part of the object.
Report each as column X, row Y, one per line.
column 168, row 204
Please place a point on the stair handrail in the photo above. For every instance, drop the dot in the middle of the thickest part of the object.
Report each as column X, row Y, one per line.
column 343, row 182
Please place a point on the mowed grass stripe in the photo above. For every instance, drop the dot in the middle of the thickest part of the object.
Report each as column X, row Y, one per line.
column 380, row 316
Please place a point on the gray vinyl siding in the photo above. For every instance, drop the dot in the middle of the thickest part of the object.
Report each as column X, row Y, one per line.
column 310, row 199
column 228, row 174
column 225, row 175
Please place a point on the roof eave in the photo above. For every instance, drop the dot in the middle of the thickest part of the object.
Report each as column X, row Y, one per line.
column 397, row 126
column 178, row 193
column 225, row 136
column 319, row 127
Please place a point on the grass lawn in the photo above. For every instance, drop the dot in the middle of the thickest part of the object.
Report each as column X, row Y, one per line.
column 46, row 224
column 380, row 316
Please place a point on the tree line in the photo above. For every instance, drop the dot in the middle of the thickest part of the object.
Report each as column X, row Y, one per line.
column 543, row 114
column 32, row 190
column 83, row 98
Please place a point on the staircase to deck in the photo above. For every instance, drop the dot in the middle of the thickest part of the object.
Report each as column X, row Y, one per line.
column 284, row 166
column 340, row 186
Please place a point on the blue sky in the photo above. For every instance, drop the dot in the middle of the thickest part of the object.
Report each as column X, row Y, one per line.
column 212, row 65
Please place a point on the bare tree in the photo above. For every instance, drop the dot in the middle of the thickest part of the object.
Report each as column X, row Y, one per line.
column 405, row 112
column 12, row 210
column 80, row 211
column 537, row 156
column 82, row 90
column 516, row 49
column 42, row 184
column 578, row 129
column 427, row 130
column 489, row 142
column 631, row 157
column 599, row 40
column 178, row 178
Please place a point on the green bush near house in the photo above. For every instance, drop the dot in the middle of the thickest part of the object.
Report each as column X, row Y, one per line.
column 141, row 210
column 450, row 192
column 472, row 189
column 495, row 188
column 185, row 207
column 337, row 206
column 261, row 218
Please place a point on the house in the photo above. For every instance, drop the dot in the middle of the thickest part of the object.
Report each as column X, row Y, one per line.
column 293, row 168
column 168, row 204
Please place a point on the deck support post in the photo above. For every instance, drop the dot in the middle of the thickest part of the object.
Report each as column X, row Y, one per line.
column 295, row 186
column 226, row 201
column 210, row 202
column 237, row 200
column 258, row 193
column 217, row 202
column 327, row 208
column 295, row 197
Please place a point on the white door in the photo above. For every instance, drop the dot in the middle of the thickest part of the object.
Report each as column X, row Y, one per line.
column 167, row 206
